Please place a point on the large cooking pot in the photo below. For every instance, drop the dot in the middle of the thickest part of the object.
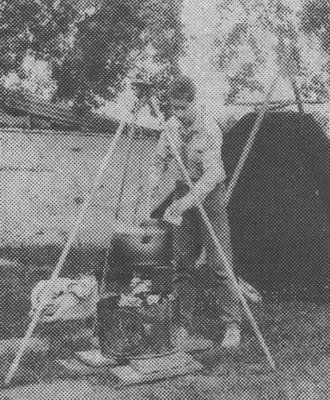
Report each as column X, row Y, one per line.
column 145, row 245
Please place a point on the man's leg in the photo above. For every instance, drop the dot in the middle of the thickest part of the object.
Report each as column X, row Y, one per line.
column 227, row 300
column 187, row 246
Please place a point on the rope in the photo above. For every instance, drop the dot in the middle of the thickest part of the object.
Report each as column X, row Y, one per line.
column 72, row 236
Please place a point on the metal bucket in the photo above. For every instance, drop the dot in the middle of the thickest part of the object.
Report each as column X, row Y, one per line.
column 145, row 245
column 134, row 332
column 120, row 334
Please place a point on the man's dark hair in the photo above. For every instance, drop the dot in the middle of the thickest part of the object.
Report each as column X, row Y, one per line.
column 182, row 88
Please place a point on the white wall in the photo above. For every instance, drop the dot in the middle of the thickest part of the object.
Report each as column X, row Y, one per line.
column 43, row 173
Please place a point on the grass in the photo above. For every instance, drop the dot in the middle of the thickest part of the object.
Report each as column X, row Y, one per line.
column 296, row 332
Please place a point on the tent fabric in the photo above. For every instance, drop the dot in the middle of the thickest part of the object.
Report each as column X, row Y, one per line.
column 280, row 209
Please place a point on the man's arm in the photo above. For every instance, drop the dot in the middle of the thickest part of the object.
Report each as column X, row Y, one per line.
column 162, row 157
column 158, row 165
column 213, row 169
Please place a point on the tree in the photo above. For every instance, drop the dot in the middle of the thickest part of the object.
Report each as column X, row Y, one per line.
column 315, row 22
column 38, row 27
column 91, row 45
column 265, row 33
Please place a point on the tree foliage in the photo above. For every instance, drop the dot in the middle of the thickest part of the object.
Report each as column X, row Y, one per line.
column 263, row 35
column 90, row 52
column 93, row 45
column 36, row 26
column 316, row 20
column 315, row 17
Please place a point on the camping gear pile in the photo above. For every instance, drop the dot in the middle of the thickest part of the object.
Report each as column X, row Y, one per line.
column 136, row 324
column 137, row 318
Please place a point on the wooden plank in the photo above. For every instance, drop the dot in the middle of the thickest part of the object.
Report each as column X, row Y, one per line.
column 73, row 367
column 138, row 371
column 94, row 358
column 158, row 364
column 130, row 376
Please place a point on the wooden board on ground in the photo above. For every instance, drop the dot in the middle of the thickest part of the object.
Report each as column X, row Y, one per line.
column 163, row 363
column 144, row 371
column 94, row 358
column 73, row 367
column 138, row 371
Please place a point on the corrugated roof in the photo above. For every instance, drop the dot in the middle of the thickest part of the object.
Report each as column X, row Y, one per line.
column 61, row 114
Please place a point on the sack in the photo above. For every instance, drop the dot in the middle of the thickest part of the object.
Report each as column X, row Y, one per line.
column 69, row 299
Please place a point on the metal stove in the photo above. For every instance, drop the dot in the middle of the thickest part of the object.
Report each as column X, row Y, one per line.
column 136, row 313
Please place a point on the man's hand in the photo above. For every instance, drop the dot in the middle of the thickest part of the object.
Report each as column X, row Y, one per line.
column 168, row 217
column 176, row 209
column 174, row 212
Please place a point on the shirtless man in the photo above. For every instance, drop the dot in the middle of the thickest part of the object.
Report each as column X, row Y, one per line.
column 199, row 140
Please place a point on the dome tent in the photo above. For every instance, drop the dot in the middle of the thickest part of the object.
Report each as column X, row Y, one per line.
column 279, row 212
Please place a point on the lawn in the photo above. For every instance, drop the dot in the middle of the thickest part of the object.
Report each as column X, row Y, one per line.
column 296, row 332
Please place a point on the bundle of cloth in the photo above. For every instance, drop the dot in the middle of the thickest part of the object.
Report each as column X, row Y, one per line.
column 68, row 299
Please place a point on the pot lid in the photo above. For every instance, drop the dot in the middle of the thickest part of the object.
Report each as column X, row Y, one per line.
column 130, row 229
